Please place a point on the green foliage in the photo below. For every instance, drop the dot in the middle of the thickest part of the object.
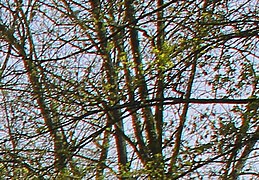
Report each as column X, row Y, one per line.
column 121, row 89
column 164, row 56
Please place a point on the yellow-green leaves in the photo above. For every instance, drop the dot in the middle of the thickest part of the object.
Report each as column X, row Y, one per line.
column 164, row 56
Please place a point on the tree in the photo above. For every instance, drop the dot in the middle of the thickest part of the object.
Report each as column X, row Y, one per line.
column 129, row 89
